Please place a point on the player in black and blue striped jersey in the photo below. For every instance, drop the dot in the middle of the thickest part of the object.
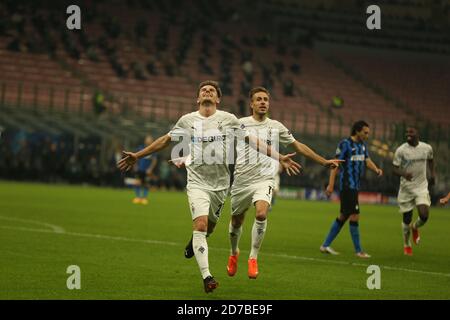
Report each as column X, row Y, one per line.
column 356, row 155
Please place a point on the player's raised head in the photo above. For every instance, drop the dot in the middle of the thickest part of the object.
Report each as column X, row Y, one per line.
column 259, row 100
column 209, row 93
column 360, row 130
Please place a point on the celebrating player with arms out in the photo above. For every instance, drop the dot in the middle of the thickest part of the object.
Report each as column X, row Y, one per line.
column 208, row 181
column 410, row 163
column 354, row 151
column 254, row 177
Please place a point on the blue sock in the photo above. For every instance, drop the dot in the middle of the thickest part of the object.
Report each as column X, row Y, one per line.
column 137, row 191
column 145, row 192
column 354, row 231
column 335, row 228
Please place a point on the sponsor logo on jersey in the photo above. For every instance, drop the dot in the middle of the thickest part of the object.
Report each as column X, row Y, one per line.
column 209, row 138
column 358, row 157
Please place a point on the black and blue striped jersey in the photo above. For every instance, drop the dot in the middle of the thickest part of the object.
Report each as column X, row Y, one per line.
column 355, row 155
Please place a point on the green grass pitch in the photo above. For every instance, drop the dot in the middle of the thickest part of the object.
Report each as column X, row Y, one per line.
column 128, row 251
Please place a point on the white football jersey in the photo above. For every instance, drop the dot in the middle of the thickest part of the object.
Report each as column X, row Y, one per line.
column 252, row 166
column 413, row 160
column 210, row 140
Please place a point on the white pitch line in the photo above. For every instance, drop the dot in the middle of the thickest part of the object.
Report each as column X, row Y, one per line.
column 356, row 264
column 88, row 235
column 286, row 256
column 55, row 228
column 18, row 254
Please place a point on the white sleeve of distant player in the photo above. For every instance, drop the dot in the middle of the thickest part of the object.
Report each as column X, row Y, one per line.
column 179, row 129
column 238, row 128
column 286, row 137
column 430, row 153
column 397, row 158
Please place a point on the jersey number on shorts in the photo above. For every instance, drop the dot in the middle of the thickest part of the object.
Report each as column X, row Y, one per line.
column 270, row 190
column 219, row 209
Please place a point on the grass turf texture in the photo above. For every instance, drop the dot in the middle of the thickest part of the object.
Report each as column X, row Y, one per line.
column 128, row 251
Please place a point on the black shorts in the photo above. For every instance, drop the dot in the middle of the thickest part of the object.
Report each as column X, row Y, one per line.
column 142, row 177
column 349, row 202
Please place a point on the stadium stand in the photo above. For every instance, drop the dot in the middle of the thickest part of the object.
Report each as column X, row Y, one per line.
column 135, row 67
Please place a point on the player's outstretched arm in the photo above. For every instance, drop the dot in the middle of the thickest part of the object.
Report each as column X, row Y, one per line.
column 286, row 161
column 372, row 166
column 445, row 199
column 130, row 158
column 308, row 152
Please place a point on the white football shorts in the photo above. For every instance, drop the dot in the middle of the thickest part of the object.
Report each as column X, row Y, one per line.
column 243, row 198
column 407, row 199
column 205, row 202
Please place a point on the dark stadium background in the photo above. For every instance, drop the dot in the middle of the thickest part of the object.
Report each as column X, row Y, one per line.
column 71, row 99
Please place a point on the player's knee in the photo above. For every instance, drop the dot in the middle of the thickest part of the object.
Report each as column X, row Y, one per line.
column 261, row 211
column 237, row 220
column 423, row 212
column 236, row 223
column 407, row 217
column 423, row 217
column 201, row 225
column 201, row 228
column 340, row 222
column 261, row 215
column 354, row 223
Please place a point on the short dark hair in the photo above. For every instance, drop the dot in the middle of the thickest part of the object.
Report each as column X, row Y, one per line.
column 256, row 90
column 215, row 84
column 413, row 126
column 358, row 126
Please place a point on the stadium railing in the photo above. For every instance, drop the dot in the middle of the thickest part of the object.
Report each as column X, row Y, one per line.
column 47, row 98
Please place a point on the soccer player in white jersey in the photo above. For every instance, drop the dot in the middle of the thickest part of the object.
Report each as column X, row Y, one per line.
column 254, row 177
column 410, row 163
column 208, row 181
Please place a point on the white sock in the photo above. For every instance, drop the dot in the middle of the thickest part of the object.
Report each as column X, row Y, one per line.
column 258, row 231
column 201, row 252
column 235, row 235
column 406, row 234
